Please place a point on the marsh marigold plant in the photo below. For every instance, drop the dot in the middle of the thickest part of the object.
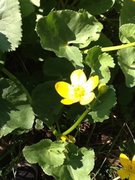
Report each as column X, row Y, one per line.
column 80, row 90
column 128, row 169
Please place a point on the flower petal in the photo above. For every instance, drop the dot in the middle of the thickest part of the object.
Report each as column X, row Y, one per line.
column 133, row 162
column 64, row 89
column 68, row 101
column 92, row 83
column 123, row 173
column 132, row 177
column 63, row 138
column 124, row 160
column 87, row 98
column 78, row 77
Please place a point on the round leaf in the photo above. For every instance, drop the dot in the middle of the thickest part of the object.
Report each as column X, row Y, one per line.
column 15, row 112
column 65, row 31
column 10, row 23
column 46, row 102
column 126, row 61
column 127, row 14
column 100, row 63
column 127, row 33
column 102, row 108
column 46, row 153
column 97, row 6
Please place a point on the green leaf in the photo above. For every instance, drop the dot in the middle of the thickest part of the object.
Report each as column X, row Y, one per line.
column 100, row 63
column 28, row 25
column 57, row 67
column 10, row 23
column 103, row 41
column 106, row 62
column 62, row 160
column 29, row 34
column 126, row 61
column 15, row 112
column 78, row 165
column 127, row 14
column 45, row 153
column 102, row 108
column 4, row 43
column 65, row 31
column 96, row 7
column 46, row 102
column 36, row 2
column 26, row 7
column 127, row 33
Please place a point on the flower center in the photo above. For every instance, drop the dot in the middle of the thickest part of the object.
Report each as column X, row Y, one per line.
column 131, row 170
column 79, row 91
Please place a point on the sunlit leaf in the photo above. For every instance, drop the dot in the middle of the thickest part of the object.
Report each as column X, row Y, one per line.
column 36, row 2
column 127, row 33
column 15, row 112
column 103, row 106
column 46, row 153
column 78, row 165
column 61, row 160
column 126, row 60
column 96, row 6
column 10, row 23
column 64, row 32
column 100, row 63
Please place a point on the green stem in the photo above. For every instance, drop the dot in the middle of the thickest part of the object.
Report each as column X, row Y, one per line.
column 13, row 78
column 80, row 119
column 114, row 48
column 58, row 127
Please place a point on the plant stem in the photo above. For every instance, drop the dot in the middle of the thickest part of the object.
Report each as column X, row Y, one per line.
column 80, row 119
column 13, row 78
column 114, row 48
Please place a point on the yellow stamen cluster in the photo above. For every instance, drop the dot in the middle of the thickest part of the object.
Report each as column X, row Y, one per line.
column 80, row 90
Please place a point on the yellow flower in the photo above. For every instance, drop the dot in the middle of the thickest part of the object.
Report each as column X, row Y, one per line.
column 68, row 138
column 71, row 139
column 80, row 89
column 63, row 138
column 128, row 170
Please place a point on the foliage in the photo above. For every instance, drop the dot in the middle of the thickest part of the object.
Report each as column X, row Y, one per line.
column 42, row 43
column 73, row 163
column 78, row 29
column 15, row 112
column 10, row 27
